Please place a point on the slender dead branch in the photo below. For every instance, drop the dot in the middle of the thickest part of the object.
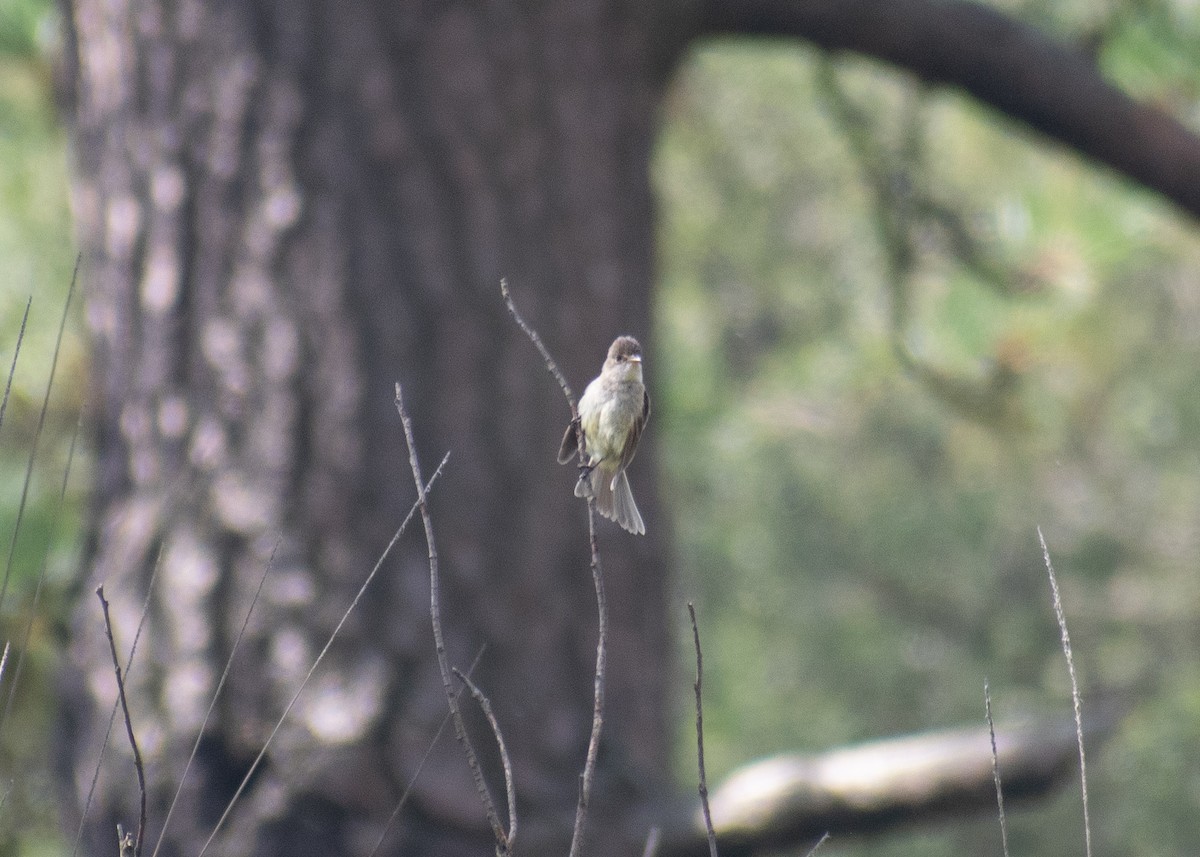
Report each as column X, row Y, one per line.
column 485, row 705
column 589, row 765
column 1066, row 647
column 137, row 754
column 460, row 729
column 412, row 781
column 112, row 715
column 708, row 825
column 212, row 704
column 316, row 662
column 37, row 436
column 987, row 709
column 537, row 342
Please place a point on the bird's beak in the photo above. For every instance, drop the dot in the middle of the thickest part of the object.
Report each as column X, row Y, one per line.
column 635, row 359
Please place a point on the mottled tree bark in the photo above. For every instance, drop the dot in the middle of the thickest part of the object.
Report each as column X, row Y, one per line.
column 286, row 208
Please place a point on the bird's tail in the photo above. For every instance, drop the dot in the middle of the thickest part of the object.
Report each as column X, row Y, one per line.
column 613, row 498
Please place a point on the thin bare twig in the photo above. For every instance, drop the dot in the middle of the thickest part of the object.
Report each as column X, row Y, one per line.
column 708, row 825
column 137, row 754
column 412, row 781
column 212, row 704
column 1066, row 647
column 485, row 705
column 460, row 729
column 112, row 715
column 316, row 662
column 987, row 709
column 37, row 436
column 537, row 342
column 589, row 765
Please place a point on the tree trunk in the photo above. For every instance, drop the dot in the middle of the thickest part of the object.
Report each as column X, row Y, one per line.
column 286, row 208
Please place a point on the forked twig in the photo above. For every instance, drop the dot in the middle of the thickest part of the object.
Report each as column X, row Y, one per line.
column 708, row 825
column 137, row 754
column 460, row 729
column 485, row 706
column 412, row 781
column 1066, row 647
column 316, row 662
column 987, row 708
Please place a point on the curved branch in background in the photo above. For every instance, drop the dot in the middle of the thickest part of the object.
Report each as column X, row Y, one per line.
column 1048, row 85
column 787, row 800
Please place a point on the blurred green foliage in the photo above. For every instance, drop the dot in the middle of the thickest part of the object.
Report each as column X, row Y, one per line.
column 38, row 254
column 897, row 333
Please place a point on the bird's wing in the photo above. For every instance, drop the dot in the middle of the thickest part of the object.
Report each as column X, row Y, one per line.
column 636, row 433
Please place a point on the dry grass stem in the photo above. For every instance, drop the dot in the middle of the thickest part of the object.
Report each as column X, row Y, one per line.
column 316, row 662
column 212, row 704
column 987, row 709
column 1066, row 647
column 37, row 434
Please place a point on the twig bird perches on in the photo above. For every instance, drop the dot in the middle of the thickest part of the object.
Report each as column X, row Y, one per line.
column 613, row 411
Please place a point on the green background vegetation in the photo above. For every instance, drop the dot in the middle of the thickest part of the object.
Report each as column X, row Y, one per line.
column 924, row 332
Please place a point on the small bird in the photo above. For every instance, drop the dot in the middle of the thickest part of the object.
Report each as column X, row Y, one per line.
column 612, row 413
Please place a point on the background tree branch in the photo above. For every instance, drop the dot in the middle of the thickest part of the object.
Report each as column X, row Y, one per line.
column 1054, row 88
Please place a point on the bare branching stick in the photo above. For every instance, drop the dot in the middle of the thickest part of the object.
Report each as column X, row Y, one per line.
column 316, row 662
column 708, row 825
column 537, row 342
column 412, row 781
column 212, row 704
column 485, row 705
column 1066, row 647
column 37, row 437
column 137, row 754
column 12, row 370
column 460, row 729
column 589, row 765
column 112, row 715
column 987, row 709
